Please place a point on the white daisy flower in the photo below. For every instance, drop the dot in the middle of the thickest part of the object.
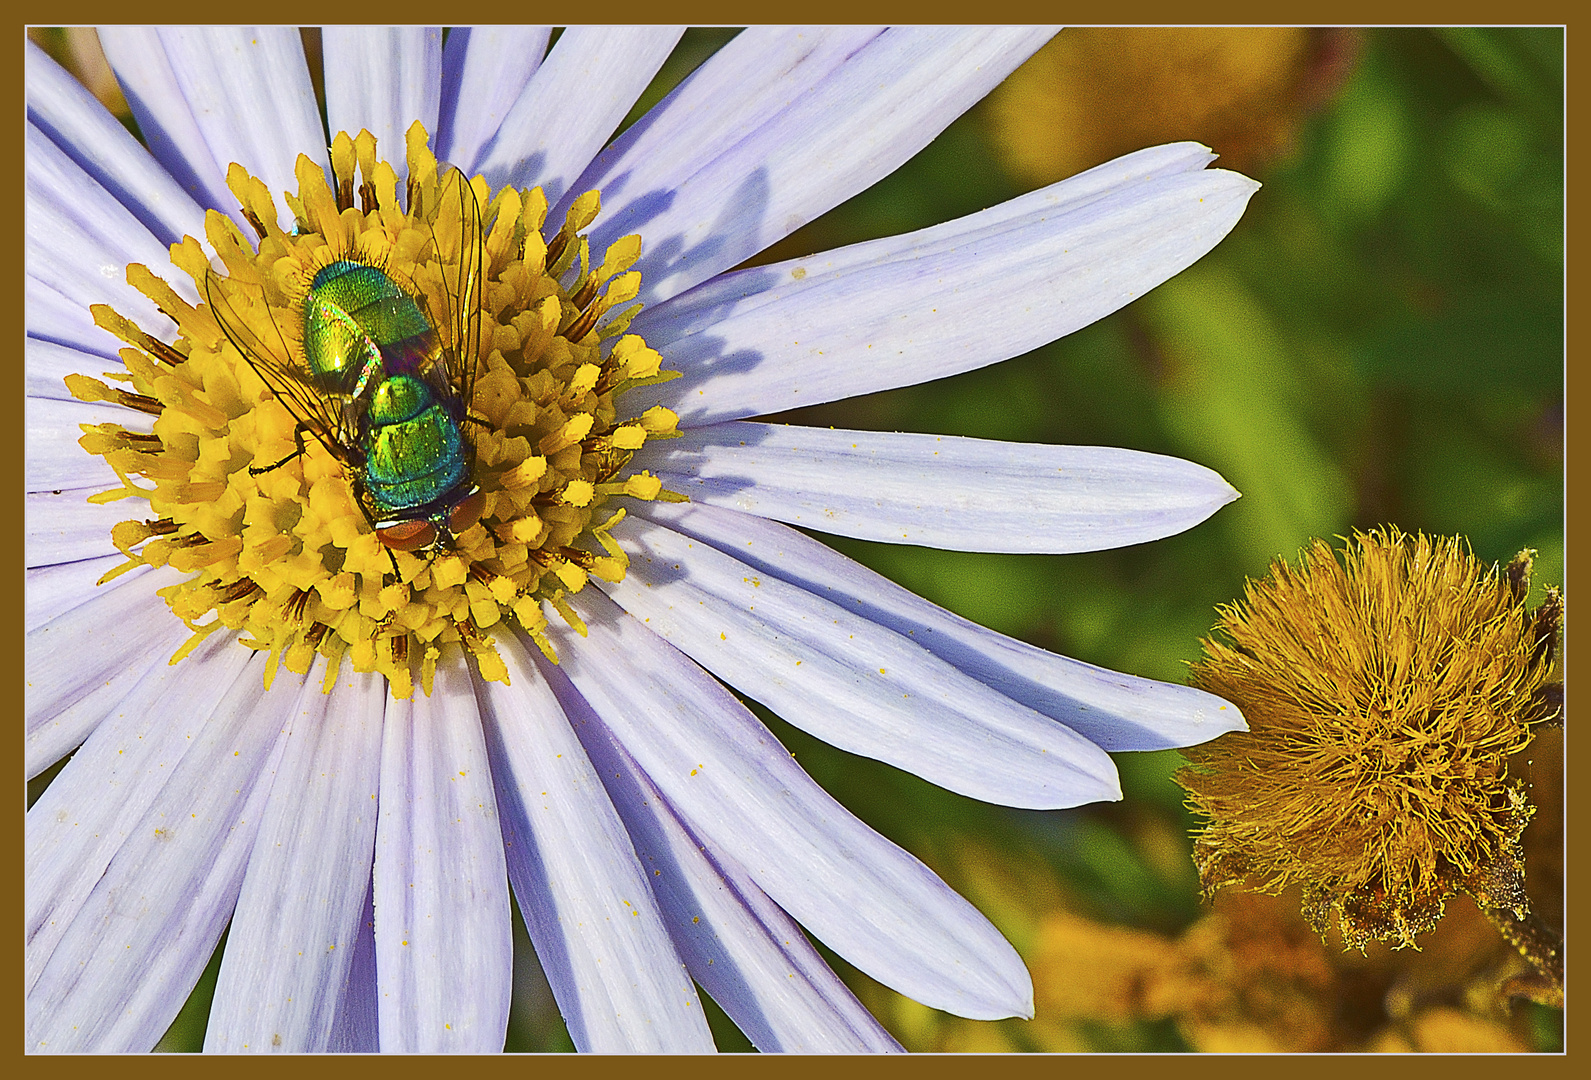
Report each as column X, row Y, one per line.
column 541, row 695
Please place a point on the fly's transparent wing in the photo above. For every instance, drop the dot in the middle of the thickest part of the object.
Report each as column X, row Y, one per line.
column 275, row 353
column 456, row 241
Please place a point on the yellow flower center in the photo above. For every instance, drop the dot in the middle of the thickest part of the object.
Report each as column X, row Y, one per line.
column 286, row 547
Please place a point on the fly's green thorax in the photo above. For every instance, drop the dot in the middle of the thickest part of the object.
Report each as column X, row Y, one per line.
column 350, row 308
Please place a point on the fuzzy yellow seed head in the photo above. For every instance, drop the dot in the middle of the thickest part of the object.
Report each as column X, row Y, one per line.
column 1385, row 693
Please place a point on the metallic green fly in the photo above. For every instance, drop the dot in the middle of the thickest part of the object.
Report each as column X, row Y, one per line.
column 370, row 377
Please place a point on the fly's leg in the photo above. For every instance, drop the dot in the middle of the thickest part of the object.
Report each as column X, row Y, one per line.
column 298, row 441
column 372, row 372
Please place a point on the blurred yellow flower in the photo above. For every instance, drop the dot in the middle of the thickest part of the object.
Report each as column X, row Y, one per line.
column 77, row 49
column 1248, row 976
column 1093, row 92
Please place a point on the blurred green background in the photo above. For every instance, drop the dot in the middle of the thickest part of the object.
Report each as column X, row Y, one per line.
column 1378, row 341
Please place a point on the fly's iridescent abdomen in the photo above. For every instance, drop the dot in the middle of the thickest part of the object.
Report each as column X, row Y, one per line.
column 414, row 452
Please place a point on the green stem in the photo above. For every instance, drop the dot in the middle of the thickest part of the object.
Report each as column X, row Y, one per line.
column 1541, row 948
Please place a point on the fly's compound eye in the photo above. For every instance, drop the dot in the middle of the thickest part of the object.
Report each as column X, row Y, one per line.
column 407, row 535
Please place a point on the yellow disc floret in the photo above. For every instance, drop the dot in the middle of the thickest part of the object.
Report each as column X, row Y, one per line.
column 282, row 551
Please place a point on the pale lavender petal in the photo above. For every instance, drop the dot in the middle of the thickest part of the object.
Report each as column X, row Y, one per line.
column 68, row 528
column 127, row 957
column 48, row 314
column 90, row 808
column 741, row 791
column 54, row 460
column 251, row 97
column 357, row 1027
column 598, row 934
column 572, row 104
column 850, row 682
column 138, row 57
column 80, row 240
column 1113, row 710
column 704, row 306
column 444, row 947
column 700, row 213
column 956, row 297
column 940, row 491
column 738, row 944
column 82, row 663
column 52, row 591
column 744, row 85
column 484, row 70
column 291, row 947
column 70, row 116
column 47, row 365
column 382, row 79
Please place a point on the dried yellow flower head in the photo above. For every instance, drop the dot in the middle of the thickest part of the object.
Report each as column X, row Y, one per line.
column 1385, row 693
